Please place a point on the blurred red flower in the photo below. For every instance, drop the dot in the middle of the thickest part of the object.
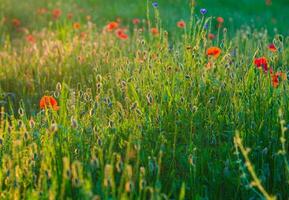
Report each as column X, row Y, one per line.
column 30, row 38
column 16, row 22
column 261, row 63
column 214, row 51
column 272, row 47
column 111, row 26
column 154, row 31
column 48, row 102
column 121, row 34
column 56, row 13
column 135, row 21
column 42, row 11
column 69, row 16
column 220, row 20
column 211, row 36
column 181, row 24
column 76, row 25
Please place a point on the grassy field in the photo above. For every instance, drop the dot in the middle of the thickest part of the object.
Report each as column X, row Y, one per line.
column 175, row 104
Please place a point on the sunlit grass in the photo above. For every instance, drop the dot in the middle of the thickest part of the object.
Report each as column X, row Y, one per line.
column 149, row 116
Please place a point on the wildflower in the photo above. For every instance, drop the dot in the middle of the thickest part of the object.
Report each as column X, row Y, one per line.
column 69, row 16
column 261, row 62
column 154, row 31
column 203, row 11
column 135, row 21
column 31, row 39
column 211, row 36
column 282, row 75
column 83, row 35
column 121, row 34
column 42, row 11
column 181, row 24
column 214, row 51
column 155, row 4
column 220, row 20
column 209, row 65
column 272, row 47
column 88, row 18
column 48, row 102
column 76, row 25
column 111, row 26
column 16, row 22
column 56, row 13
column 275, row 80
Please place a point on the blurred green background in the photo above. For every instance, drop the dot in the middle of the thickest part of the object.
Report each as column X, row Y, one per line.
column 235, row 12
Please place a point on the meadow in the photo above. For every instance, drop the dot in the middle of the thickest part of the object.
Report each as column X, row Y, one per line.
column 144, row 99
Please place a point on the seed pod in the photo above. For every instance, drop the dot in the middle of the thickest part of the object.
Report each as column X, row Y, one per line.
column 108, row 174
column 128, row 186
column 58, row 87
column 66, row 168
column 133, row 106
column 149, row 98
column 31, row 123
column 53, row 127
column 73, row 123
column 139, row 112
column 110, row 124
column 20, row 123
column 21, row 112
column 98, row 78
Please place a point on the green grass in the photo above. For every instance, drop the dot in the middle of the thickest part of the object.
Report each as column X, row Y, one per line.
column 143, row 118
column 244, row 12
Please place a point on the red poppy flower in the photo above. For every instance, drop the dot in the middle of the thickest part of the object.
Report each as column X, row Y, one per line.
column 268, row 2
column 261, row 62
column 214, row 51
column 277, row 77
column 154, row 31
column 220, row 20
column 272, row 47
column 31, row 39
column 282, row 75
column 76, row 25
column 111, row 26
column 16, row 22
column 42, row 11
column 211, row 36
column 69, row 16
column 135, row 21
column 83, row 35
column 275, row 80
column 181, row 24
column 56, row 13
column 121, row 34
column 48, row 102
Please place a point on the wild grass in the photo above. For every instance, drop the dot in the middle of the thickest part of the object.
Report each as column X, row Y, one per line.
column 142, row 118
